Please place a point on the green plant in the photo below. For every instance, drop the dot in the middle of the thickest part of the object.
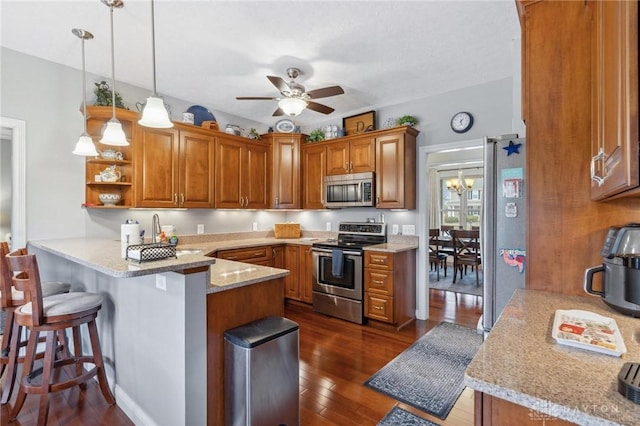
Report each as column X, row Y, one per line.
column 104, row 95
column 253, row 134
column 316, row 135
column 407, row 120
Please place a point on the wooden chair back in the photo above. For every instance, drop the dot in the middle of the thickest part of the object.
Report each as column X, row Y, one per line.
column 26, row 278
column 466, row 244
column 5, row 277
column 434, row 242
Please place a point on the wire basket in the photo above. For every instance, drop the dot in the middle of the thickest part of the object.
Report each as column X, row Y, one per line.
column 152, row 251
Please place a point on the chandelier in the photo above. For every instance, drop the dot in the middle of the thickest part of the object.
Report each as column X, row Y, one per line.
column 459, row 185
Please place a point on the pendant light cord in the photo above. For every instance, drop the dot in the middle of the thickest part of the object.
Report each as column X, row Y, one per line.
column 153, row 47
column 113, row 67
column 84, row 90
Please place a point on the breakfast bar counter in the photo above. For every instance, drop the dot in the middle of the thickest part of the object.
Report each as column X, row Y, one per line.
column 520, row 362
column 162, row 322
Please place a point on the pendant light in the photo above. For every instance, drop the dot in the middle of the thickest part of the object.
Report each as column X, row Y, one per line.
column 85, row 145
column 113, row 133
column 154, row 113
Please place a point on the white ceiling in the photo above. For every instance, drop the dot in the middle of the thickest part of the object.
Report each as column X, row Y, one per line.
column 208, row 52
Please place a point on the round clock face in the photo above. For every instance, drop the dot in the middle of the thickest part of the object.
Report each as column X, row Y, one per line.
column 461, row 122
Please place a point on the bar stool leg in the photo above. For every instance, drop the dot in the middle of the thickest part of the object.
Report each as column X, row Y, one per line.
column 47, row 369
column 12, row 367
column 77, row 351
column 27, row 366
column 99, row 363
column 6, row 338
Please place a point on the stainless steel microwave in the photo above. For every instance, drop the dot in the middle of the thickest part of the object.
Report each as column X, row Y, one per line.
column 352, row 190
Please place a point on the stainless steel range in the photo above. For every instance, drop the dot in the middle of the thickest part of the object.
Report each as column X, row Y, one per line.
column 338, row 272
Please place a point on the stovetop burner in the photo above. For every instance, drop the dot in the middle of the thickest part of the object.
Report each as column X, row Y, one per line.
column 356, row 235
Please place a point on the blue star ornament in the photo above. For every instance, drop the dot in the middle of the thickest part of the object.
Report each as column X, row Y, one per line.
column 512, row 148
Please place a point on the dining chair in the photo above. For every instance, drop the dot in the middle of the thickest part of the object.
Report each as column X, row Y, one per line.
column 437, row 259
column 466, row 246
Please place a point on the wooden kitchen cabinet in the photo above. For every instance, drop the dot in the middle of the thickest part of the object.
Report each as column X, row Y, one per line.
column 285, row 172
column 241, row 173
column 389, row 287
column 278, row 256
column 97, row 116
column 262, row 255
column 396, row 169
column 174, row 167
column 614, row 97
column 314, row 170
column 355, row 155
column 298, row 284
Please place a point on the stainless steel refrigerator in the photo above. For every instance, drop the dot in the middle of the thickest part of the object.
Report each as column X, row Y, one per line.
column 504, row 219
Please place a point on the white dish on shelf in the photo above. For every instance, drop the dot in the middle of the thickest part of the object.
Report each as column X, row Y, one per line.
column 588, row 330
column 109, row 199
column 285, row 126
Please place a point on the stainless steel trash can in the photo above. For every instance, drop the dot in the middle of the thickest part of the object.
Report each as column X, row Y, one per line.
column 262, row 373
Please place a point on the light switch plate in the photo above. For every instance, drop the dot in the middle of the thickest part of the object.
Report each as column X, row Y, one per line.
column 255, row 226
column 161, row 282
column 328, row 228
column 394, row 229
column 408, row 229
column 200, row 228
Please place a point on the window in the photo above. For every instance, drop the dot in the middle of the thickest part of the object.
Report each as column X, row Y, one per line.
column 469, row 202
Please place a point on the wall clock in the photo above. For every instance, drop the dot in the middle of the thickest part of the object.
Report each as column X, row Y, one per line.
column 461, row 122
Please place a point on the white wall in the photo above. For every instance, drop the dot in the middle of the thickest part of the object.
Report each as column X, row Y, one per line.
column 48, row 97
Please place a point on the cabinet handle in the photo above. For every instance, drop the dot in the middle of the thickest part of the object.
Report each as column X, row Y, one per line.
column 182, row 199
column 378, row 308
column 377, row 200
column 175, row 198
column 277, row 201
column 231, row 257
column 273, row 253
column 257, row 254
column 346, row 166
column 598, row 157
column 378, row 282
column 241, row 201
column 350, row 166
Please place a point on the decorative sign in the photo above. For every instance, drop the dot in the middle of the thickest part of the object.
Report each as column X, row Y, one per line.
column 514, row 257
column 512, row 182
column 511, row 210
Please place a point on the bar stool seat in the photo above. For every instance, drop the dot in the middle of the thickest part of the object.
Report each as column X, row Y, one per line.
column 10, row 355
column 52, row 316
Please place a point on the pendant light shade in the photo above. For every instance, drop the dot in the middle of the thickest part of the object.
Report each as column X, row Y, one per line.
column 292, row 106
column 113, row 133
column 85, row 145
column 154, row 113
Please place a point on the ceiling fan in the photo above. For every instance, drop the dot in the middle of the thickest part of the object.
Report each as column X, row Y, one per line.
column 295, row 99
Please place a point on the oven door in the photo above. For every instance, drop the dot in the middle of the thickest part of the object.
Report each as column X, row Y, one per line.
column 348, row 285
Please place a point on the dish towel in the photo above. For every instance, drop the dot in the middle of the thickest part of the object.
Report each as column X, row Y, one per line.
column 336, row 262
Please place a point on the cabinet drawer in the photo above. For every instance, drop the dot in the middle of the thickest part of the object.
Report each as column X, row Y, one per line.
column 378, row 307
column 377, row 281
column 380, row 260
column 249, row 255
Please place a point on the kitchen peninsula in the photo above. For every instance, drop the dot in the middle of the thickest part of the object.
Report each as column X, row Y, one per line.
column 161, row 325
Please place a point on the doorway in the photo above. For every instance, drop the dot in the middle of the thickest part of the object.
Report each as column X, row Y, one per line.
column 13, row 182
column 428, row 183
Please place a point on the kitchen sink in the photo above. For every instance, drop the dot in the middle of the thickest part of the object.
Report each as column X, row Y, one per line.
column 180, row 252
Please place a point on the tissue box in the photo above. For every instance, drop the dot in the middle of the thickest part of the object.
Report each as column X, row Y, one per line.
column 286, row 230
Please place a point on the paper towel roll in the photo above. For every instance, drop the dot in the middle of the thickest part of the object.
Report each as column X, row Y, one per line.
column 129, row 234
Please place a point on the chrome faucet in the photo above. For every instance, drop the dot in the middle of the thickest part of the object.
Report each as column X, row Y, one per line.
column 155, row 228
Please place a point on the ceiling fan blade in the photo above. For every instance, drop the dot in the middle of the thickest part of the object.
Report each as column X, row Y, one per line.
column 319, row 107
column 278, row 112
column 325, row 92
column 255, row 98
column 280, row 84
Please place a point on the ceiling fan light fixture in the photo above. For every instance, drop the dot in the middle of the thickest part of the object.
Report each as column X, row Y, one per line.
column 292, row 106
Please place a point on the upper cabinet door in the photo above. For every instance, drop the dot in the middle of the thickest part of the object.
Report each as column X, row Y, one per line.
column 196, row 170
column 156, row 163
column 314, row 169
column 229, row 169
column 286, row 172
column 396, row 170
column 338, row 158
column 614, row 163
column 256, row 176
column 362, row 155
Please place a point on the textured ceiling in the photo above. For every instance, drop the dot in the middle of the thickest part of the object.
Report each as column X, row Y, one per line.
column 208, row 52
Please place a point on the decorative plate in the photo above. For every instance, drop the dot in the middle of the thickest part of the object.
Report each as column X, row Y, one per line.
column 588, row 330
column 285, row 126
column 200, row 114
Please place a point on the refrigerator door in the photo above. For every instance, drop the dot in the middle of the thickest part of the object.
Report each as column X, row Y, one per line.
column 504, row 220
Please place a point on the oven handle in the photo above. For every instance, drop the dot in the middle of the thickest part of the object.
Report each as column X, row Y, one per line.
column 321, row 252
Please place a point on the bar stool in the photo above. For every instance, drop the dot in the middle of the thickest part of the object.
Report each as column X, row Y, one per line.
column 10, row 300
column 53, row 315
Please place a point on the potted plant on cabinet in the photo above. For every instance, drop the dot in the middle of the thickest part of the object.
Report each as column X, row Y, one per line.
column 407, row 120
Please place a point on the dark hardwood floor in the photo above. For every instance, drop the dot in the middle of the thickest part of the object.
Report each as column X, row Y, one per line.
column 336, row 357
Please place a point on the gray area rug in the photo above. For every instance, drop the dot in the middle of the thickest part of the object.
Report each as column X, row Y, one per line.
column 397, row 416
column 429, row 375
column 466, row 285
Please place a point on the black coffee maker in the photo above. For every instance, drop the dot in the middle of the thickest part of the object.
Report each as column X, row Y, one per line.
column 621, row 269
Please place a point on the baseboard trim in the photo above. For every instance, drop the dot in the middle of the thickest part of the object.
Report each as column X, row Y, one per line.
column 137, row 415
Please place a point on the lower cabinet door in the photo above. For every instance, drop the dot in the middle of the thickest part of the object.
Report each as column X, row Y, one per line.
column 378, row 307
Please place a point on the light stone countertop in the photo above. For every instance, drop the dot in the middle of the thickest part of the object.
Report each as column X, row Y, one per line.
column 391, row 247
column 227, row 274
column 520, row 362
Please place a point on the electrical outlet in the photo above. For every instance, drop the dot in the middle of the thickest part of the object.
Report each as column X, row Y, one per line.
column 161, row 282
column 255, row 226
column 394, row 229
column 408, row 229
column 328, row 226
column 200, row 228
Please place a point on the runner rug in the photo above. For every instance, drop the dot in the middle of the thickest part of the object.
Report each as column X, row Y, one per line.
column 397, row 416
column 429, row 375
